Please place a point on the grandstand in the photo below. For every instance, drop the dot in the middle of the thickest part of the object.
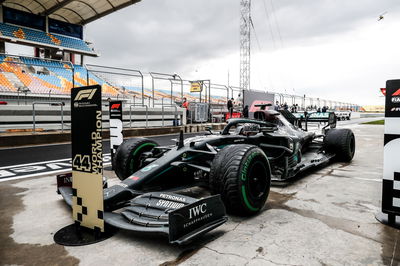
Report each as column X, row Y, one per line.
column 55, row 31
column 45, row 76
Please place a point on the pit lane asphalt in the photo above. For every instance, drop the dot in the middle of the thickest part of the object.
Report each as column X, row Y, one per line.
column 324, row 218
column 41, row 153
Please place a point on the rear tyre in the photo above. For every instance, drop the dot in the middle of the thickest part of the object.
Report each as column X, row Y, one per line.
column 127, row 159
column 242, row 175
column 341, row 142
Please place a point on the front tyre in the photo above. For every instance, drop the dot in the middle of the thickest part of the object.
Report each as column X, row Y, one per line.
column 127, row 159
column 241, row 174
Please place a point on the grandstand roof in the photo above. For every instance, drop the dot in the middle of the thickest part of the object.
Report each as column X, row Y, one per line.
column 72, row 11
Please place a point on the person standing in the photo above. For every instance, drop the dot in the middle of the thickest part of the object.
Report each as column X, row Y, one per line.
column 246, row 111
column 185, row 104
column 229, row 105
column 285, row 106
column 276, row 107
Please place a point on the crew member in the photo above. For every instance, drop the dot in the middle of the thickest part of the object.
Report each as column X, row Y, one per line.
column 185, row 104
column 246, row 111
column 230, row 107
column 277, row 106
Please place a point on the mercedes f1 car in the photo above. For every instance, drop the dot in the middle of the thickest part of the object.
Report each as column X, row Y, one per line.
column 236, row 164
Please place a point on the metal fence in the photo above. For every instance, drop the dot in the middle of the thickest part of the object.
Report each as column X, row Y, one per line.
column 36, row 81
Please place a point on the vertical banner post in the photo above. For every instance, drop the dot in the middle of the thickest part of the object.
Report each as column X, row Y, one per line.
column 87, row 157
column 87, row 171
column 390, row 214
column 116, row 127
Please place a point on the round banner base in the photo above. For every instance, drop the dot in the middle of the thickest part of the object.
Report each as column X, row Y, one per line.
column 75, row 235
column 390, row 220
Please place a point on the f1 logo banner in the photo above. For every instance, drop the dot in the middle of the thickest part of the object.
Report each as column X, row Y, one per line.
column 116, row 127
column 391, row 161
column 87, row 154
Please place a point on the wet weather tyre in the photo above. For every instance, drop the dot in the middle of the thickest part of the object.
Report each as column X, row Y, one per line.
column 127, row 157
column 342, row 143
column 241, row 175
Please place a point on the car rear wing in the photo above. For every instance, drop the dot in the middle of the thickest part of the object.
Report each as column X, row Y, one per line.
column 316, row 117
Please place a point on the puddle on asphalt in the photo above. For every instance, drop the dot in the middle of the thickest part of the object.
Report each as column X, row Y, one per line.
column 388, row 237
column 12, row 253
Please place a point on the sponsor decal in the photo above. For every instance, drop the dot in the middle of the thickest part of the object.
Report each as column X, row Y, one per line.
column 396, row 93
column 172, row 197
column 85, row 94
column 134, row 178
column 187, row 219
column 197, row 210
column 203, row 217
column 116, row 126
column 169, row 204
column 149, row 167
column 115, row 106
column 84, row 98
column 396, row 99
column 395, row 109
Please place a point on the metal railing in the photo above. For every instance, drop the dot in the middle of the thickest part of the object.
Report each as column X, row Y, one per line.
column 61, row 104
column 175, row 113
column 130, row 113
column 163, row 76
column 116, row 71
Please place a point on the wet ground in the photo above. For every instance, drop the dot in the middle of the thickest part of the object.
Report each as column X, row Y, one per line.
column 325, row 218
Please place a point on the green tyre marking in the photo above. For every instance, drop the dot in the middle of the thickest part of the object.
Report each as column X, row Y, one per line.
column 246, row 201
column 243, row 177
column 136, row 151
column 243, row 174
column 141, row 146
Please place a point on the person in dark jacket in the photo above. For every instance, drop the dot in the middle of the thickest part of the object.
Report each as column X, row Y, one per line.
column 230, row 107
column 246, row 111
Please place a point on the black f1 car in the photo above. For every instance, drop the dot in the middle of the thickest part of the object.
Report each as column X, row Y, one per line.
column 237, row 163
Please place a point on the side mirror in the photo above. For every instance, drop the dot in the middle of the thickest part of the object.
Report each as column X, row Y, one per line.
column 208, row 128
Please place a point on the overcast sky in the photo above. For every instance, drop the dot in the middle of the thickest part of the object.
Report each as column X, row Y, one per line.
column 325, row 48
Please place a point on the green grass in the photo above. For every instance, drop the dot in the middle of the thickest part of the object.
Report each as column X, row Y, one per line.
column 376, row 122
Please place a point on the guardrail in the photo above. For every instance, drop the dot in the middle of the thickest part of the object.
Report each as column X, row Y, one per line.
column 147, row 114
column 61, row 104
column 175, row 114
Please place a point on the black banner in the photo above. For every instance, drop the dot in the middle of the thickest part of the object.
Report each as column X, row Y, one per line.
column 392, row 107
column 391, row 164
column 116, row 126
column 87, row 156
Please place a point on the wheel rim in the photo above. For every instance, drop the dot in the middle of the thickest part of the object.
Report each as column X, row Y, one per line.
column 136, row 159
column 257, row 181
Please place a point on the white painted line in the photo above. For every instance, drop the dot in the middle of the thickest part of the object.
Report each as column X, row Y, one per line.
column 34, row 146
column 65, row 170
column 368, row 179
column 30, row 164
column 39, row 163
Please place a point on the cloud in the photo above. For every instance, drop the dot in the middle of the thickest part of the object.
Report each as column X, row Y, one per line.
column 322, row 48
